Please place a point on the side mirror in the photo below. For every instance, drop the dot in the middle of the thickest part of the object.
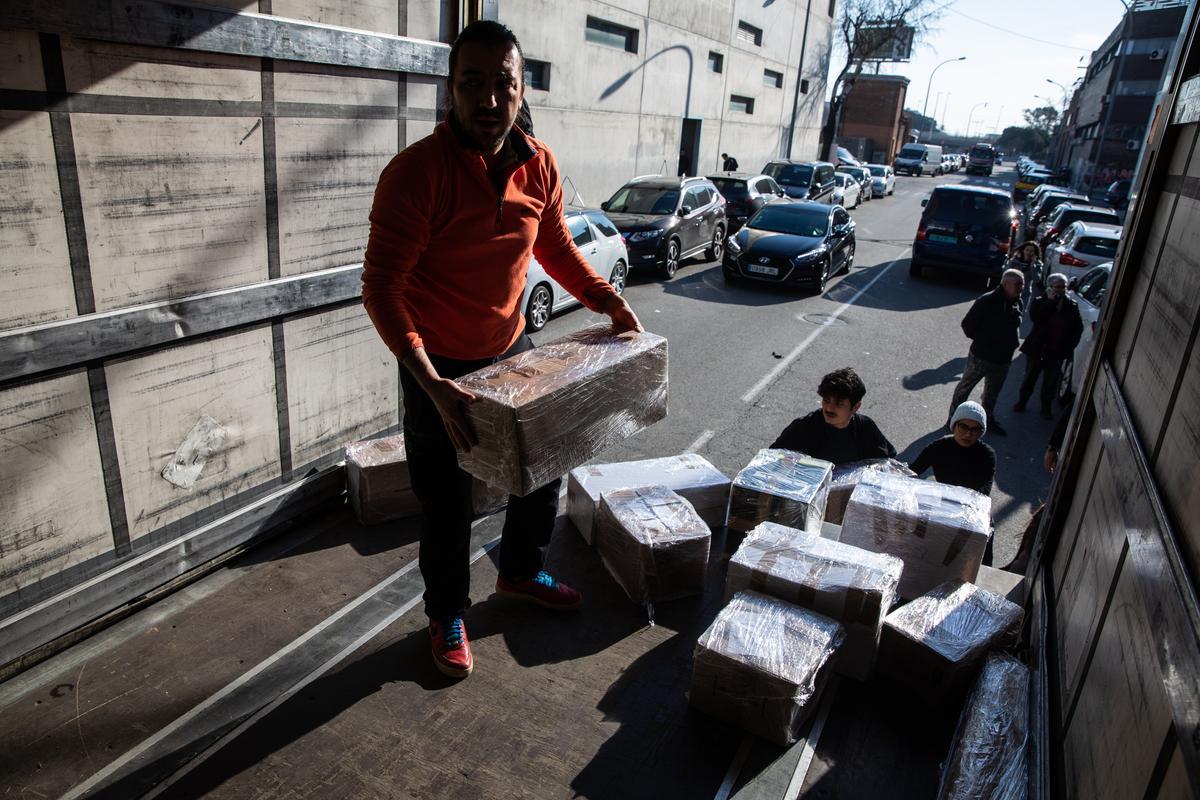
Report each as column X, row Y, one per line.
column 924, row 202
column 1074, row 284
column 838, row 231
column 604, row 206
column 781, row 193
column 683, row 212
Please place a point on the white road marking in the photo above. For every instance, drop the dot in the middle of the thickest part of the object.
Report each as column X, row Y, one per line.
column 810, row 743
column 701, row 440
column 757, row 390
column 734, row 768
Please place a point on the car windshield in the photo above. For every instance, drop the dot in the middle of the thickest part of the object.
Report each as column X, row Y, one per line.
column 1097, row 246
column 793, row 219
column 879, row 172
column 644, row 200
column 981, row 152
column 731, row 189
column 968, row 207
column 911, row 152
column 1067, row 217
column 790, row 174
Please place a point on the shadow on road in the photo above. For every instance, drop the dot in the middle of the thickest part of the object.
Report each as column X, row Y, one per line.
column 948, row 372
column 935, row 293
column 705, row 283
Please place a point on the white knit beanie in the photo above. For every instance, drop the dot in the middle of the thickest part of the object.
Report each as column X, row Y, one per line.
column 969, row 410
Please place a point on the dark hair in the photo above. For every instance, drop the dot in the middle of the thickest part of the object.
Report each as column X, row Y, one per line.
column 487, row 32
column 1037, row 249
column 524, row 119
column 844, row 384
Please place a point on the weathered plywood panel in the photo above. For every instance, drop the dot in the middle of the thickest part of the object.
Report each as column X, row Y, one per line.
column 1113, row 741
column 174, row 206
column 97, row 67
column 1142, row 269
column 319, row 83
column 212, row 403
column 342, row 382
column 327, row 175
column 1079, row 504
column 379, row 16
column 1175, row 785
column 35, row 267
column 21, row 61
column 51, row 481
column 1178, row 465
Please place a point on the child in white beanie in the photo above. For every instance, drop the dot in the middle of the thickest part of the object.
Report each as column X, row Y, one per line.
column 961, row 459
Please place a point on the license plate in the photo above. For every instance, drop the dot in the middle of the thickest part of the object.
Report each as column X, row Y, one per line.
column 939, row 237
column 760, row 270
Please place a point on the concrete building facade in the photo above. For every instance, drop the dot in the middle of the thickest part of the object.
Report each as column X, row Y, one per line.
column 872, row 118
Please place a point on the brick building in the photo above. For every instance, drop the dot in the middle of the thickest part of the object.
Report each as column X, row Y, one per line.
column 872, row 119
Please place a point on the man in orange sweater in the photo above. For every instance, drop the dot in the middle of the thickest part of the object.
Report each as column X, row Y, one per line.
column 455, row 219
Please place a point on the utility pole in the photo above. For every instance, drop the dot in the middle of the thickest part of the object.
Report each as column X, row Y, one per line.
column 799, row 81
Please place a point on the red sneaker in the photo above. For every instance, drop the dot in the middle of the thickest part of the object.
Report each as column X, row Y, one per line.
column 451, row 650
column 541, row 589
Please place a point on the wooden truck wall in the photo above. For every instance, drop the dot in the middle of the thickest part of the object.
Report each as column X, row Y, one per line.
column 183, row 209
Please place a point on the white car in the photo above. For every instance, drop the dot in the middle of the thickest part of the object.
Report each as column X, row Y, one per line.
column 1088, row 292
column 863, row 176
column 846, row 191
column 883, row 179
column 601, row 244
column 1082, row 246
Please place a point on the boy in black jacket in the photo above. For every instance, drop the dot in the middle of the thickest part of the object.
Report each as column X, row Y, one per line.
column 836, row 431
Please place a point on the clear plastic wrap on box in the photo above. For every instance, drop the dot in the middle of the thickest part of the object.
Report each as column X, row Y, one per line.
column 780, row 486
column 940, row 532
column 548, row 410
column 988, row 758
column 762, row 663
column 848, row 584
column 653, row 543
column 847, row 476
column 935, row 642
column 690, row 475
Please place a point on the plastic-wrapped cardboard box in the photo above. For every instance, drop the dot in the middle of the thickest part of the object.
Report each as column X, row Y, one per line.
column 940, row 532
column 690, row 475
column 935, row 643
column 762, row 663
column 780, row 486
column 548, row 410
column 988, row 756
column 848, row 584
column 847, row 476
column 653, row 543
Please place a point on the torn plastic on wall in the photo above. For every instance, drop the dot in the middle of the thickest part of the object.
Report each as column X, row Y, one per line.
column 780, row 486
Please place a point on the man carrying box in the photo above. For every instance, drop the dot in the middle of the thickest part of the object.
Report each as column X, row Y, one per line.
column 454, row 221
column 836, row 432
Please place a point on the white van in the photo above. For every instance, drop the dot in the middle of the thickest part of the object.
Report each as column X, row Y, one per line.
column 919, row 159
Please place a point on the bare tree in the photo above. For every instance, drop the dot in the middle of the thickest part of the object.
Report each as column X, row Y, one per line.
column 866, row 32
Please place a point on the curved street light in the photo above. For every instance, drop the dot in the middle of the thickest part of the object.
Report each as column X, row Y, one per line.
column 971, row 116
column 929, row 86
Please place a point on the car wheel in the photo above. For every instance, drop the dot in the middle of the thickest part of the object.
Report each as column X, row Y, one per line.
column 671, row 265
column 717, row 248
column 537, row 311
column 914, row 268
column 824, row 276
column 619, row 275
column 849, row 257
column 1065, row 393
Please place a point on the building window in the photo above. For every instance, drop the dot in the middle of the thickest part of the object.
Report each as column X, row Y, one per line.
column 772, row 78
column 537, row 74
column 832, row 8
column 600, row 31
column 740, row 103
column 804, row 86
column 748, row 33
column 716, row 61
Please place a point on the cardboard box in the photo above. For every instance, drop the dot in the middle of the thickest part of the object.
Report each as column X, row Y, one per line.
column 544, row 412
column 653, row 543
column 847, row 476
column 845, row 583
column 689, row 475
column 934, row 644
column 762, row 663
column 940, row 532
column 780, row 486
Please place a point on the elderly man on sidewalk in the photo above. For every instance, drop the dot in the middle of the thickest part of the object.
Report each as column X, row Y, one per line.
column 993, row 325
column 1057, row 328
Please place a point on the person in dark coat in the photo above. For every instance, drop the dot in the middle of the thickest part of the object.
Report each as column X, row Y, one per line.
column 1057, row 328
column 836, row 431
column 993, row 325
column 728, row 163
column 962, row 458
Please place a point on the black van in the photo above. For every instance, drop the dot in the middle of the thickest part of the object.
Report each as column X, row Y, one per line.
column 803, row 180
column 965, row 229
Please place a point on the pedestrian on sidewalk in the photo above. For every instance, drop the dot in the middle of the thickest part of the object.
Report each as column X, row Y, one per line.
column 962, row 458
column 1057, row 327
column 836, row 432
column 1028, row 259
column 454, row 221
column 728, row 163
column 993, row 325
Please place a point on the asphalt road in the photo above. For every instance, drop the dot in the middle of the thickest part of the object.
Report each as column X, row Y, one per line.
column 746, row 360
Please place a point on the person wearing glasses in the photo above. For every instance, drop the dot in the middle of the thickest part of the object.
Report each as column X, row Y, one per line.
column 962, row 458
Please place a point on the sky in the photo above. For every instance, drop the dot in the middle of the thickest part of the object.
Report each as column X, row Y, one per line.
column 1005, row 70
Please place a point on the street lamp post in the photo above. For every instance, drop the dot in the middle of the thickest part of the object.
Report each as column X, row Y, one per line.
column 971, row 116
column 929, row 87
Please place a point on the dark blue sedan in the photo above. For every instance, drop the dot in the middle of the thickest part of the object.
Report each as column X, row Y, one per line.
column 792, row 244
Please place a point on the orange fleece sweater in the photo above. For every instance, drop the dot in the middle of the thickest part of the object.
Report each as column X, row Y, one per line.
column 447, row 254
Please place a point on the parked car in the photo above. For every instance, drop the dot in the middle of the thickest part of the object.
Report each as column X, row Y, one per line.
column 1065, row 214
column 745, row 194
column 792, row 244
column 999, row 157
column 601, row 244
column 1045, row 204
column 1081, row 246
column 847, row 193
column 846, row 159
column 883, row 180
column 1036, row 193
column 665, row 220
column 919, row 159
column 1088, row 292
column 981, row 159
column 1117, row 195
column 1030, row 180
column 803, row 180
column 965, row 228
column 863, row 176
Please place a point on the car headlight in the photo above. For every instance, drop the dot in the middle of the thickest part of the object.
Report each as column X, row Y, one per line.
column 811, row 255
column 731, row 244
column 641, row 236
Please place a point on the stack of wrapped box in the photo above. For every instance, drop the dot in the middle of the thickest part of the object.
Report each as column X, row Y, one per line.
column 780, row 486
column 653, row 542
column 847, row 476
column 548, row 410
column 762, row 664
column 848, row 584
column 690, row 475
column 940, row 532
column 988, row 758
column 934, row 644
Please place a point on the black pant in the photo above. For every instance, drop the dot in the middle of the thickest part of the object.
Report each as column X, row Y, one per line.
column 444, row 491
column 1050, row 369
